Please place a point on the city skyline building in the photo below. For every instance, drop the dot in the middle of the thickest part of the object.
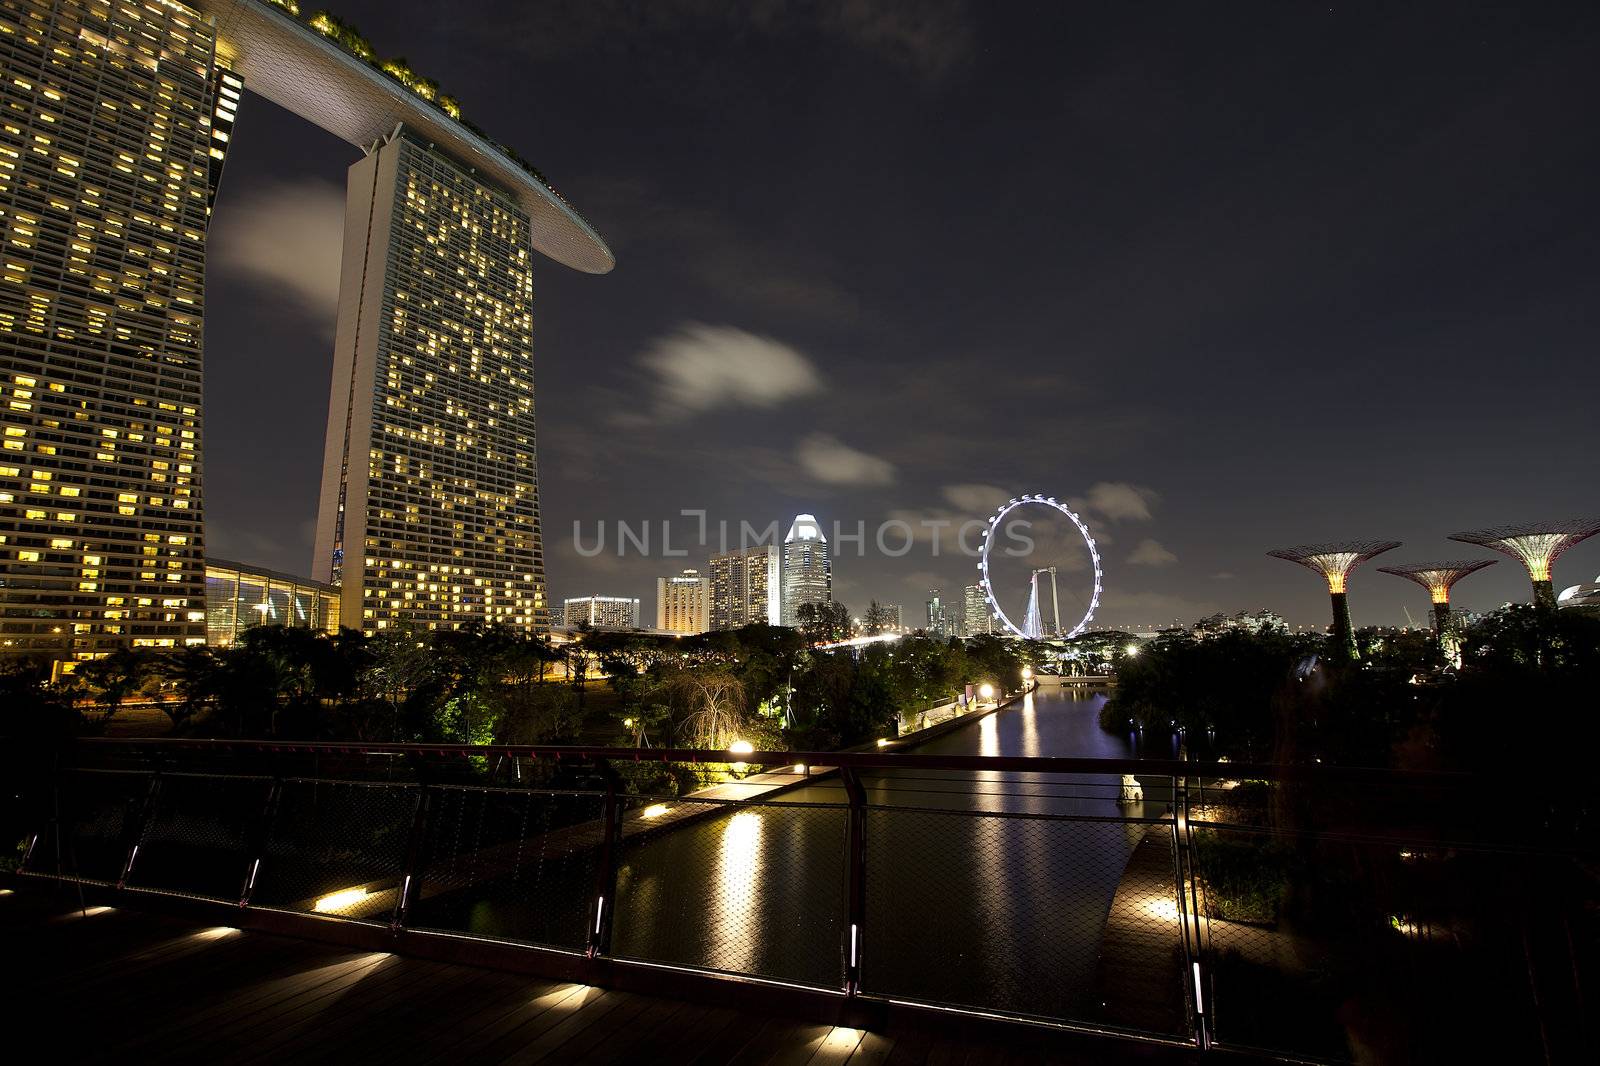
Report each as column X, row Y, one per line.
column 746, row 587
column 108, row 162
column 1335, row 562
column 683, row 603
column 601, row 612
column 975, row 611
column 937, row 624
column 429, row 512
column 121, row 116
column 807, row 569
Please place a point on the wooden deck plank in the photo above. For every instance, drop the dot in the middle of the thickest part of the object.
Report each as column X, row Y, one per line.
column 403, row 1040
column 521, row 1050
column 777, row 1036
column 523, row 996
column 638, row 1040
column 707, row 1032
column 838, row 1047
column 524, row 1027
column 874, row 1050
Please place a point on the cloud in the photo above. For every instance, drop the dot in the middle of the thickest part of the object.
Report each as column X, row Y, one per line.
column 928, row 38
column 288, row 237
column 830, row 460
column 759, row 270
column 1151, row 553
column 976, row 501
column 1120, row 501
column 701, row 368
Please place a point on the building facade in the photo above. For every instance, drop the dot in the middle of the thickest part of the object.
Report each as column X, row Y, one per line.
column 107, row 163
column 601, row 612
column 807, row 570
column 683, row 603
column 117, row 117
column 975, row 612
column 239, row 596
column 429, row 514
column 938, row 623
column 746, row 587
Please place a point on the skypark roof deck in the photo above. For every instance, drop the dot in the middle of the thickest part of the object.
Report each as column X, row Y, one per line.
column 297, row 68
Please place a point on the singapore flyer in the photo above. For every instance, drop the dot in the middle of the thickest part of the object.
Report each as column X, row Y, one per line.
column 1031, row 629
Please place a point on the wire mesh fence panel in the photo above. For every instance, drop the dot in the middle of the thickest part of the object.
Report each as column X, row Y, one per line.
column 1052, row 917
column 1338, row 948
column 746, row 888
column 96, row 816
column 513, row 865
column 199, row 836
column 336, row 847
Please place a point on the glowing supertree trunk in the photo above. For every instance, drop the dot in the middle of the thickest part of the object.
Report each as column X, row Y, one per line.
column 1438, row 578
column 1536, row 547
column 1335, row 562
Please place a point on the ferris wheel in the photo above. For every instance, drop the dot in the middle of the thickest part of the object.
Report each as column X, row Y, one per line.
column 1031, row 628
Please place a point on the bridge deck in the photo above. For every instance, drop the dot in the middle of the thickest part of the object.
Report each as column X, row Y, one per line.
column 126, row 985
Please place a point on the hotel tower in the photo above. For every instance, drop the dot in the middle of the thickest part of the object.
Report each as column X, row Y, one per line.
column 116, row 121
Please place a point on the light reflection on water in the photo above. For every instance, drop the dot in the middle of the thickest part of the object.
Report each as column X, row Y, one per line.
column 738, row 878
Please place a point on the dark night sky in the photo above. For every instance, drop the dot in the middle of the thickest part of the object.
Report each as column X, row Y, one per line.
column 1236, row 275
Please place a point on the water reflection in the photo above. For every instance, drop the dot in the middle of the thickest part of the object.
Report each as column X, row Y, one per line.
column 738, row 860
column 963, row 905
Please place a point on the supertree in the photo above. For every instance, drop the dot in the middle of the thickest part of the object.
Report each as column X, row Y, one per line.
column 1437, row 578
column 1536, row 546
column 1335, row 562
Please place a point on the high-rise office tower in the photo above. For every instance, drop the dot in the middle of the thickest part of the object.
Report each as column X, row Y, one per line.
column 107, row 163
column 601, row 612
column 683, row 603
column 746, row 587
column 938, row 624
column 975, row 612
column 430, row 509
column 807, row 571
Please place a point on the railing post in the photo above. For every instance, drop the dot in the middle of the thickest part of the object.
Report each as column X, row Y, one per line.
column 857, row 884
column 136, row 831
column 411, row 865
column 605, row 889
column 269, row 810
column 1189, row 910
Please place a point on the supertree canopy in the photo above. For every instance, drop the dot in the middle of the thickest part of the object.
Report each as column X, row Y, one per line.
column 1335, row 562
column 1536, row 546
column 1437, row 578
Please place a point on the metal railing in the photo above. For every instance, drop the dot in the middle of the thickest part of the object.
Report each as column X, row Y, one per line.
column 1316, row 913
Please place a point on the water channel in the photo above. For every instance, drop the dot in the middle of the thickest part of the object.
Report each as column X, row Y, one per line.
column 984, row 889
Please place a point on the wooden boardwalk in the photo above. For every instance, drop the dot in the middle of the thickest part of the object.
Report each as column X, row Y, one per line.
column 124, row 985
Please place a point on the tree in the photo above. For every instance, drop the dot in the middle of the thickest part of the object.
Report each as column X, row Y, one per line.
column 111, row 678
column 878, row 619
column 713, row 707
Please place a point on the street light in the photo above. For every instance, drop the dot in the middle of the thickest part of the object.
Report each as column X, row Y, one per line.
column 986, row 691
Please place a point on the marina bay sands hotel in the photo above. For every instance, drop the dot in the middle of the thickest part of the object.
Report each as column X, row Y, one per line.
column 115, row 119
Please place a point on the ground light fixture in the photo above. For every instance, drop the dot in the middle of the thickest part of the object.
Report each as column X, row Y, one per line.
column 986, row 691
